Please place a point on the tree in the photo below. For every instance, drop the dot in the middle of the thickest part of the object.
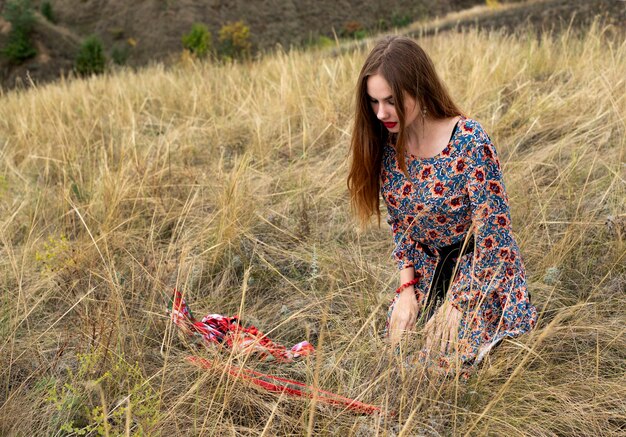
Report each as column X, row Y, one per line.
column 19, row 47
column 46, row 11
column 90, row 58
column 198, row 40
column 234, row 40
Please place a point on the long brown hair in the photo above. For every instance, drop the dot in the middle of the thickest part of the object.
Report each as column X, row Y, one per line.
column 407, row 68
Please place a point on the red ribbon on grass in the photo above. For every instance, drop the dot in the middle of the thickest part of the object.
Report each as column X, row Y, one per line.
column 229, row 332
column 288, row 386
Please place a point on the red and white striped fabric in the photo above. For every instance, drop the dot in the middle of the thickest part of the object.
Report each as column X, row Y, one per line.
column 216, row 329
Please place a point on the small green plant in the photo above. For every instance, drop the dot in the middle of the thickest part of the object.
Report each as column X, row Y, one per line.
column 90, row 58
column 400, row 20
column 198, row 41
column 119, row 54
column 234, row 40
column 77, row 414
column 56, row 253
column 322, row 41
column 19, row 46
column 46, row 11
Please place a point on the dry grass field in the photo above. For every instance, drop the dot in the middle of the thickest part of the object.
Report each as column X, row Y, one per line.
column 229, row 183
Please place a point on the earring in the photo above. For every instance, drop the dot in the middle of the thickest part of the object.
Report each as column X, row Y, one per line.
column 424, row 112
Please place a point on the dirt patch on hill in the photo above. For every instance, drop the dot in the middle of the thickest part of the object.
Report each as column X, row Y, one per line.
column 541, row 15
column 538, row 16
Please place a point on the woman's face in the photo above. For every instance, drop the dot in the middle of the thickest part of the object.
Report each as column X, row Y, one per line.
column 383, row 104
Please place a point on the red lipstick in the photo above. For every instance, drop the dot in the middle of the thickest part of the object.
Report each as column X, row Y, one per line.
column 390, row 125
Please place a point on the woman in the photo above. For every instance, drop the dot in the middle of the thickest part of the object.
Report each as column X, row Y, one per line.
column 441, row 180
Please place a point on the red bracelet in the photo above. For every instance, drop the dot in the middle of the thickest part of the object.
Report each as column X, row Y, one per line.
column 408, row 284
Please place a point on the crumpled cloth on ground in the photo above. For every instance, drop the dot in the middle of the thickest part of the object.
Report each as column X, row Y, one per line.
column 215, row 329
column 229, row 332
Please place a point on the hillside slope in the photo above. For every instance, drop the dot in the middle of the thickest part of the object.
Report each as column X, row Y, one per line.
column 156, row 26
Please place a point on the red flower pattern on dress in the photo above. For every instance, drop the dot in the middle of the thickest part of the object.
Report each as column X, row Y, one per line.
column 438, row 189
column 426, row 172
column 459, row 166
column 479, row 175
column 509, row 272
column 495, row 187
column 461, row 190
column 502, row 220
column 489, row 154
column 455, row 202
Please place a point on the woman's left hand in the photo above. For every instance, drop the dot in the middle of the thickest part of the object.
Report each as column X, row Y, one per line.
column 441, row 331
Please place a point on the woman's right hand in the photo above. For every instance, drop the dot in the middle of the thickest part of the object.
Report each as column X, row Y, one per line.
column 404, row 314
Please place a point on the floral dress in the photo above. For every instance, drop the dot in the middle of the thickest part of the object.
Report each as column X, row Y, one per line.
column 456, row 192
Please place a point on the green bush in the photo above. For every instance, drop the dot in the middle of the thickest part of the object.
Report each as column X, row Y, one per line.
column 46, row 11
column 119, row 54
column 400, row 20
column 90, row 58
column 74, row 409
column 322, row 41
column 198, row 40
column 234, row 40
column 19, row 46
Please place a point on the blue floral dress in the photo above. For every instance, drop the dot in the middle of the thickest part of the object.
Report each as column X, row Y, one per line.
column 457, row 192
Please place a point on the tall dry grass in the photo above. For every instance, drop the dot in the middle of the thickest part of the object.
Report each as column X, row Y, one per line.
column 228, row 182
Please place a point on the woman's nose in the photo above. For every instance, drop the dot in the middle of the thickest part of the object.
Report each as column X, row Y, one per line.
column 382, row 113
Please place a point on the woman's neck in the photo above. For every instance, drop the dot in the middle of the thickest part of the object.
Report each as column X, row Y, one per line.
column 427, row 136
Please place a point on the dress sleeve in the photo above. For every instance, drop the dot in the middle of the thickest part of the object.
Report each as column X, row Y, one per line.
column 495, row 249
column 407, row 252
column 404, row 251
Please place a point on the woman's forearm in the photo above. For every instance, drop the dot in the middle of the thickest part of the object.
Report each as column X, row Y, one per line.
column 407, row 274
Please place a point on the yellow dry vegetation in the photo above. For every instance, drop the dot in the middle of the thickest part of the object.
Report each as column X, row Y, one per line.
column 228, row 181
